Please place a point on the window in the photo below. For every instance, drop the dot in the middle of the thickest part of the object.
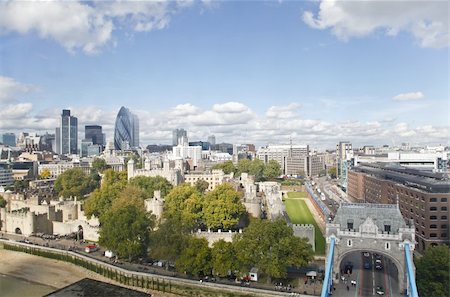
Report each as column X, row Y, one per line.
column 443, row 199
column 444, row 208
column 443, row 217
column 349, row 242
column 433, row 235
column 444, row 226
column 444, row 235
column 387, row 246
column 387, row 228
column 349, row 224
column 433, row 199
column 434, row 208
column 433, row 226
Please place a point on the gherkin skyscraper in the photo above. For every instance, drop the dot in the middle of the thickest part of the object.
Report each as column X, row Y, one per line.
column 126, row 132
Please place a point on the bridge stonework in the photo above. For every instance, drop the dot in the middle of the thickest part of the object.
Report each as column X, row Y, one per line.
column 368, row 235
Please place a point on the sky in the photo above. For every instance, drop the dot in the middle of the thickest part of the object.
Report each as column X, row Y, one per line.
column 262, row 72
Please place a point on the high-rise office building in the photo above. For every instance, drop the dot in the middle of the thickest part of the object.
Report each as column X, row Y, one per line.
column 212, row 139
column 177, row 134
column 94, row 133
column 67, row 134
column 126, row 132
column 8, row 139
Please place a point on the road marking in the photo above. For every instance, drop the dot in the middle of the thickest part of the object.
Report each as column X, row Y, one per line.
column 373, row 277
column 385, row 278
column 357, row 284
column 362, row 276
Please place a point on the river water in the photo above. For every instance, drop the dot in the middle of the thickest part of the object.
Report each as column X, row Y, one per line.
column 16, row 287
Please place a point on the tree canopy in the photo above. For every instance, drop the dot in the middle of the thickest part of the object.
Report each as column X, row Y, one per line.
column 332, row 172
column 75, row 183
column 195, row 259
column 150, row 184
column 201, row 185
column 99, row 165
column 433, row 272
column 45, row 174
column 101, row 199
column 223, row 258
column 2, row 202
column 271, row 247
column 227, row 167
column 222, row 207
column 126, row 230
column 185, row 204
column 272, row 170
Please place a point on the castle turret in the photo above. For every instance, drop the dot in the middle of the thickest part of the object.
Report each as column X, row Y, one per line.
column 130, row 168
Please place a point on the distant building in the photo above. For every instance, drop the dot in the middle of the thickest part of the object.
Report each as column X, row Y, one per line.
column 6, row 175
column 177, row 134
column 204, row 145
column 95, row 134
column 88, row 149
column 126, row 132
column 213, row 178
column 293, row 159
column 344, row 154
column 212, row 139
column 8, row 139
column 67, row 134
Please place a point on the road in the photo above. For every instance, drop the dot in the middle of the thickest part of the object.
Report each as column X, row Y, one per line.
column 367, row 279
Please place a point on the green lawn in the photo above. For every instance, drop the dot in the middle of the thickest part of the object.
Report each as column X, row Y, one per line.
column 297, row 195
column 299, row 214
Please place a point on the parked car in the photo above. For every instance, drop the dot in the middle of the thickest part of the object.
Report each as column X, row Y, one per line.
column 91, row 248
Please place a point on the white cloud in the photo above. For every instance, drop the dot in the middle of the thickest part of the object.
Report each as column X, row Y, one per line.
column 86, row 26
column 408, row 96
column 184, row 110
column 283, row 112
column 10, row 88
column 230, row 107
column 426, row 21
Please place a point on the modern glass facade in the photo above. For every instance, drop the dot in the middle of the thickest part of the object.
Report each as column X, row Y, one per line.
column 126, row 132
column 94, row 133
column 67, row 134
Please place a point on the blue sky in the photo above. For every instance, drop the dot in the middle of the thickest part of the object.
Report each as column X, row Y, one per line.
column 261, row 72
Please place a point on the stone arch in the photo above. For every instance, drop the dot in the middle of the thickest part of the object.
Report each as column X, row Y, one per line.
column 398, row 264
column 18, row 231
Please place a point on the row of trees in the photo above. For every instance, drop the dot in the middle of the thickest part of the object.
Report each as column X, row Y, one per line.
column 255, row 167
column 269, row 246
column 433, row 272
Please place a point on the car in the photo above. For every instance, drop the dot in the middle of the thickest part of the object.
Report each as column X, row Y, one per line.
column 378, row 267
column 91, row 248
column 379, row 290
column 377, row 256
column 366, row 254
column 367, row 265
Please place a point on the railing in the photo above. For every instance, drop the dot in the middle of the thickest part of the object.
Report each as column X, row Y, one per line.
column 328, row 280
column 412, row 288
column 325, row 211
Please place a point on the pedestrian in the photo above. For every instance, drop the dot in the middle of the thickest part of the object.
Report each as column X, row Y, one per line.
column 348, row 288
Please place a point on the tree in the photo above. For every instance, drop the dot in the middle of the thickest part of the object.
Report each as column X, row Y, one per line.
column 169, row 240
column 271, row 247
column 20, row 185
column 100, row 200
column 227, row 167
column 195, row 259
column 332, row 172
column 223, row 258
column 184, row 203
column 201, row 185
column 75, row 183
column 45, row 174
column 257, row 169
column 222, row 207
column 99, row 165
column 272, row 170
column 126, row 230
column 2, row 202
column 150, row 184
column 244, row 166
column 433, row 272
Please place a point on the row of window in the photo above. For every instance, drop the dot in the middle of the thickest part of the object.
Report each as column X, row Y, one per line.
column 434, row 226
column 434, row 235
column 435, row 199
column 434, row 208
column 435, row 217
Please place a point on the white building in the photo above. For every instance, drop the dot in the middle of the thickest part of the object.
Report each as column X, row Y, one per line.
column 173, row 175
column 184, row 151
column 214, row 178
column 293, row 159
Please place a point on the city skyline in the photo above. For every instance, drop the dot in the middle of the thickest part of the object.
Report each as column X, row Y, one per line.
column 246, row 72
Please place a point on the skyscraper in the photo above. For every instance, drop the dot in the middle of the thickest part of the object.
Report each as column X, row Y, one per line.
column 177, row 134
column 212, row 139
column 67, row 134
column 126, row 132
column 94, row 133
column 8, row 139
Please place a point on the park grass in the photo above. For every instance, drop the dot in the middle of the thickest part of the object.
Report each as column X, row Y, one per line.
column 297, row 195
column 299, row 213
